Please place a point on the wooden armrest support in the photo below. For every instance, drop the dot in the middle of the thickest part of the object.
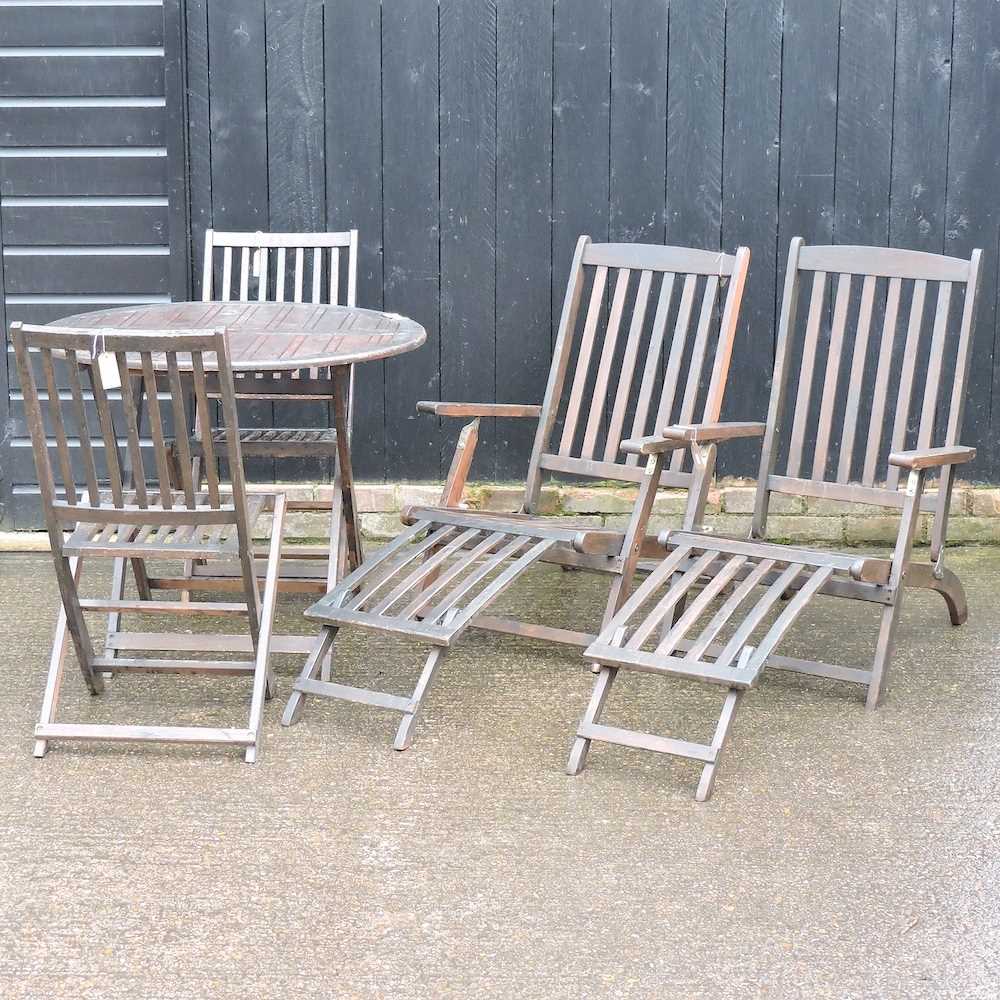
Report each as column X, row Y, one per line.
column 478, row 409
column 720, row 431
column 681, row 435
column 927, row 458
column 651, row 445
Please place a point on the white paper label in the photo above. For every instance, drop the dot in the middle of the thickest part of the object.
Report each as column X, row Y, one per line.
column 107, row 365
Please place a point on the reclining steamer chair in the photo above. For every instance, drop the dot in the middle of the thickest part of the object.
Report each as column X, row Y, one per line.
column 905, row 389
column 441, row 574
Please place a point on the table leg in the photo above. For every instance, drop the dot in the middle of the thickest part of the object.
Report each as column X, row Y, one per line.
column 341, row 389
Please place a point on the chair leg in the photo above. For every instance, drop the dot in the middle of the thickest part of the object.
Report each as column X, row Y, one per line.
column 264, row 686
column 57, row 662
column 722, row 730
column 404, row 735
column 883, row 652
column 581, row 745
column 67, row 574
column 337, row 559
column 310, row 669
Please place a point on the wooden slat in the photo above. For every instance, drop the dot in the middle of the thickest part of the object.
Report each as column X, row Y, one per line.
column 628, row 363
column 600, row 390
column 720, row 579
column 904, row 395
column 832, row 373
column 652, row 367
column 156, row 429
column 583, row 361
column 806, row 368
column 513, row 548
column 718, row 621
column 696, row 362
column 672, row 373
column 928, row 411
column 425, row 568
column 854, row 387
column 83, row 426
column 757, row 614
column 787, row 617
column 881, row 388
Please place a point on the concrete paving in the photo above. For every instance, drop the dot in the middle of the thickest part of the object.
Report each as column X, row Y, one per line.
column 844, row 854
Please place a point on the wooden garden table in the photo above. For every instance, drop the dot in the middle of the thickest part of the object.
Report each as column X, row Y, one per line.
column 270, row 340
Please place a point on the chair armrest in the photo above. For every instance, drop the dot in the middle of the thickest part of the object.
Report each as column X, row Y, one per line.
column 721, row 431
column 927, row 458
column 681, row 435
column 478, row 409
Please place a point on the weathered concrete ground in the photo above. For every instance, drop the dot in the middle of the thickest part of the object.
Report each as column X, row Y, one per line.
column 844, row 855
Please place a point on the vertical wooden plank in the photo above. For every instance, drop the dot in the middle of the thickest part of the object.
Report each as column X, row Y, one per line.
column 174, row 75
column 922, row 86
column 411, row 227
column 6, row 486
column 199, row 141
column 694, row 123
column 296, row 148
column 237, row 102
column 809, row 63
column 295, row 116
column 468, row 68
column 353, row 72
column 581, row 84
column 524, row 278
column 864, row 121
column 750, row 203
column 638, row 116
column 809, row 57
column 973, row 217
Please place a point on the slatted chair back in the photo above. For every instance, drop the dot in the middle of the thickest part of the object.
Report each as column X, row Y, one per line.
column 644, row 341
column 281, row 267
column 872, row 357
column 95, row 470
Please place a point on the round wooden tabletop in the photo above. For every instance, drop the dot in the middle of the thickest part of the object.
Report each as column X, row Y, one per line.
column 272, row 336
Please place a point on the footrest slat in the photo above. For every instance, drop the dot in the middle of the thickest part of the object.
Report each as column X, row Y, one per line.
column 646, row 741
column 327, row 689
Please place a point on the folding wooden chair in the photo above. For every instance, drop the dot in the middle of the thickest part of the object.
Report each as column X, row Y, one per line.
column 884, row 402
column 143, row 514
column 287, row 267
column 652, row 348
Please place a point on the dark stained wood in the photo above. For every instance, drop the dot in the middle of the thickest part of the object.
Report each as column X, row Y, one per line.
column 750, row 202
column 274, row 336
column 410, row 232
column 352, row 105
column 695, row 95
column 524, row 283
column 467, row 65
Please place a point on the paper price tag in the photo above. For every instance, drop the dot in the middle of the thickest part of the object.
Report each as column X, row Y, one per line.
column 107, row 365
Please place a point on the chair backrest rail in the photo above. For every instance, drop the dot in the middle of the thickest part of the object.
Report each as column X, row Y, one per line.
column 613, row 367
column 146, row 362
column 848, row 372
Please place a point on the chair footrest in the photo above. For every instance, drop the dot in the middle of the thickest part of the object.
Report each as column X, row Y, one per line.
column 738, row 676
column 145, row 734
column 327, row 689
column 646, row 741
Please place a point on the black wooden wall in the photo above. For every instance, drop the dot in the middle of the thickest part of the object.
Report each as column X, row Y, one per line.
column 472, row 141
column 92, row 181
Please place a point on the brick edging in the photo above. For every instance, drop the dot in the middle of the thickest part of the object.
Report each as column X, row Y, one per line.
column 975, row 512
